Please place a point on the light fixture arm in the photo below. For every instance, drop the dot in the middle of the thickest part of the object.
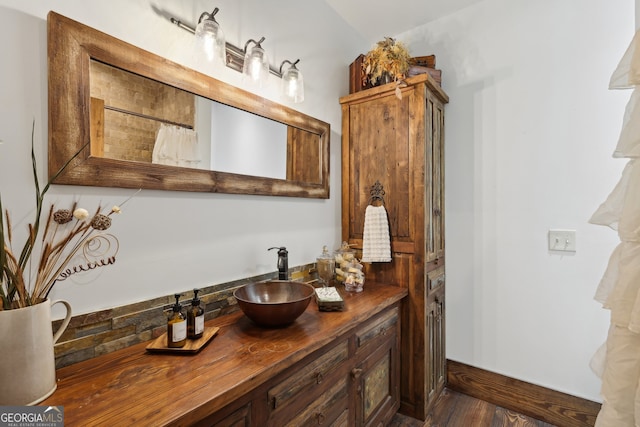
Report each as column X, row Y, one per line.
column 257, row 43
column 210, row 16
column 293, row 64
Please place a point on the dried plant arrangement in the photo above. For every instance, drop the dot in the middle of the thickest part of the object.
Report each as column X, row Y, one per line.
column 389, row 58
column 72, row 241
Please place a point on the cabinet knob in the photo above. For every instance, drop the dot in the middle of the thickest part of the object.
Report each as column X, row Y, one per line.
column 355, row 372
column 319, row 378
column 320, row 418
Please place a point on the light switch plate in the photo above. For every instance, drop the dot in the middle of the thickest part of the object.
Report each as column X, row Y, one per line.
column 562, row 240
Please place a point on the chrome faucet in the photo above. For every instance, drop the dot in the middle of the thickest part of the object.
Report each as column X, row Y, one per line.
column 283, row 263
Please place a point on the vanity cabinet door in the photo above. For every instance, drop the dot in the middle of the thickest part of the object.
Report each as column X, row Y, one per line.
column 376, row 375
column 434, row 147
column 376, row 384
column 436, row 374
column 440, row 353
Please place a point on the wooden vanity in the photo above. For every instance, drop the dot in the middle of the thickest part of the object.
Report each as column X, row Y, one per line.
column 328, row 368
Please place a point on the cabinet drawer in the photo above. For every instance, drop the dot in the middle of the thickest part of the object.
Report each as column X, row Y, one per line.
column 239, row 418
column 308, row 377
column 342, row 420
column 230, row 416
column 330, row 409
column 383, row 326
column 435, row 279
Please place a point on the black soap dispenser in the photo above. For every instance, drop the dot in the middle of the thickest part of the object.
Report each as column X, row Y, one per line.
column 176, row 326
column 195, row 318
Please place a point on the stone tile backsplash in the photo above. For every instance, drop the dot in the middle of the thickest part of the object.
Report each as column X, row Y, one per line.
column 93, row 334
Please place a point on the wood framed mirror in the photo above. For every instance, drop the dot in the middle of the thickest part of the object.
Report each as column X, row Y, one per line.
column 82, row 113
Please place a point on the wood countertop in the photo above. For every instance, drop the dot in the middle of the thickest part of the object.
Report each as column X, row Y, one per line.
column 134, row 387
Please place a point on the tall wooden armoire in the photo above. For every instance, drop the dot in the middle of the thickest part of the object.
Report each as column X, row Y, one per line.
column 396, row 138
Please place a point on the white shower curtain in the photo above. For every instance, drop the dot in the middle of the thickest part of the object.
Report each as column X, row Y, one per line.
column 618, row 361
column 176, row 146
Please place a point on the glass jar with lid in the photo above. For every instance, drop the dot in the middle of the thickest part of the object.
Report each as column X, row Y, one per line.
column 325, row 263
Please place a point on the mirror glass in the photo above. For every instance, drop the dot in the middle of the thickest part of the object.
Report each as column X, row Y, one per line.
column 152, row 123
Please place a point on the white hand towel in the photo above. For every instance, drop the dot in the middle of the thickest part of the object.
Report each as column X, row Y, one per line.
column 376, row 243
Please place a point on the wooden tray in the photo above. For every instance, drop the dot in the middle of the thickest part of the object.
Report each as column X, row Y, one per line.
column 159, row 345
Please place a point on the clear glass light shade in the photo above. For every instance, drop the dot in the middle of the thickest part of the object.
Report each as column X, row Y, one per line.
column 256, row 66
column 210, row 40
column 293, row 85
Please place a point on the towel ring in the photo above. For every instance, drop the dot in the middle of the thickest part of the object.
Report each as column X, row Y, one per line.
column 377, row 193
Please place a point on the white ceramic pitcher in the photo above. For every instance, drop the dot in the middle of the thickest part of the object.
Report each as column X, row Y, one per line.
column 27, row 362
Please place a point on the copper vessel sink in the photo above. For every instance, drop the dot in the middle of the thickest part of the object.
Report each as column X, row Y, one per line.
column 274, row 303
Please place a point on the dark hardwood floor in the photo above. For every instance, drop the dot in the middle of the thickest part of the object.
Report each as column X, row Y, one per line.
column 453, row 409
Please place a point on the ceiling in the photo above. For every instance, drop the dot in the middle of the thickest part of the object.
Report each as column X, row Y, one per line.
column 375, row 19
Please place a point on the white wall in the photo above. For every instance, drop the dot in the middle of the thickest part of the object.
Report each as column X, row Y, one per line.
column 174, row 241
column 530, row 130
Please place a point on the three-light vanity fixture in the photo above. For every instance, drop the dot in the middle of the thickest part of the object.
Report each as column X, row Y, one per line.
column 252, row 62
